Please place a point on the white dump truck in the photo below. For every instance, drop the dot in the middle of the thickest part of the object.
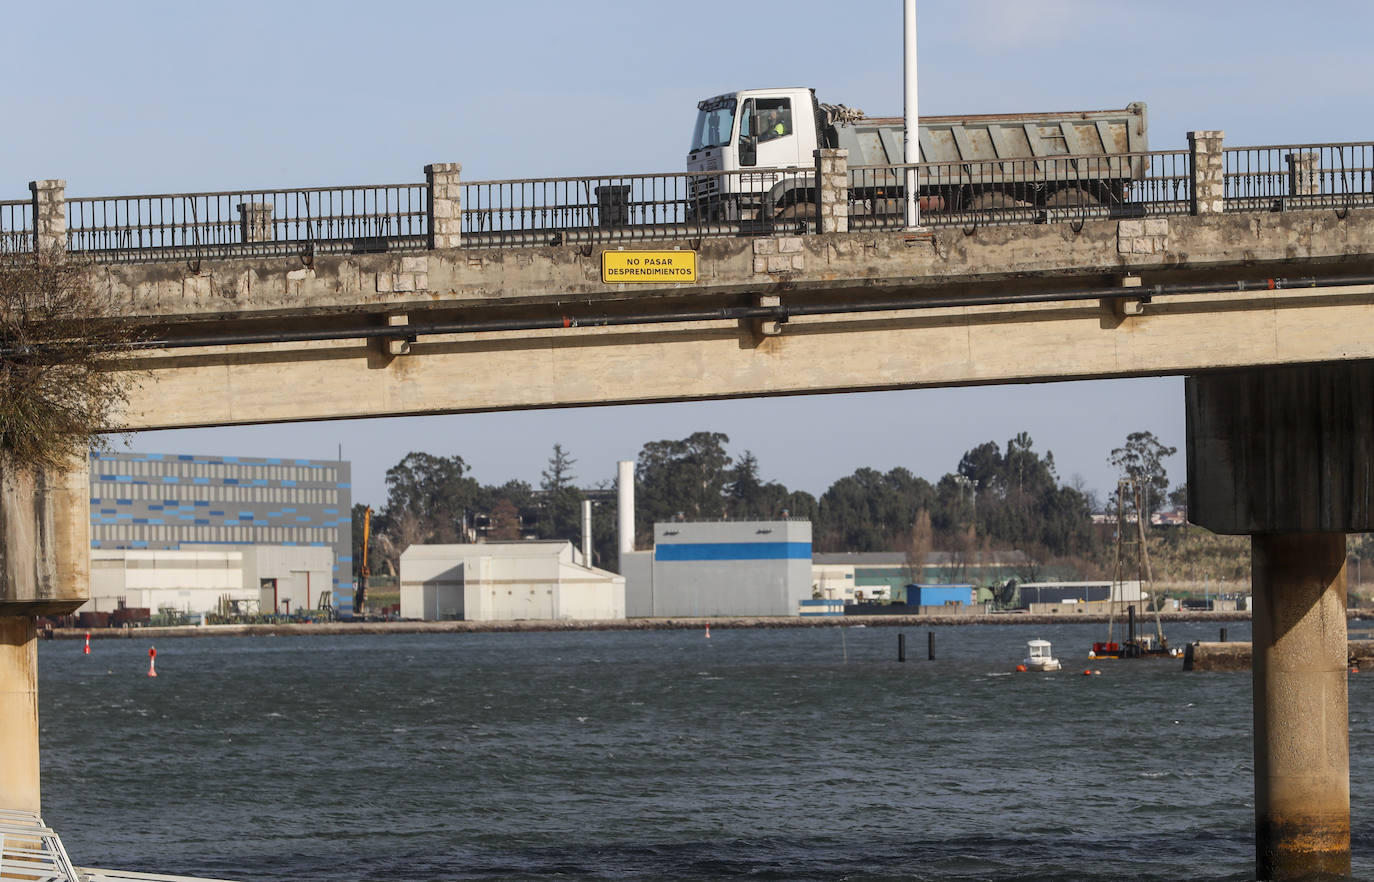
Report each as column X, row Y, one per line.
column 974, row 162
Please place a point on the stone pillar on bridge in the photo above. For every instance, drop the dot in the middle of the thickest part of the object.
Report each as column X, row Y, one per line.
column 832, row 190
column 1209, row 171
column 44, row 570
column 1304, row 173
column 445, row 204
column 49, row 214
column 1286, row 455
column 255, row 222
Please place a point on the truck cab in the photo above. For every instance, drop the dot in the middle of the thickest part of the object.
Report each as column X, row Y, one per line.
column 764, row 128
column 737, row 131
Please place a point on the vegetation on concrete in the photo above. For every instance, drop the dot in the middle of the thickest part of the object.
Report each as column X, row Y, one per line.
column 58, row 334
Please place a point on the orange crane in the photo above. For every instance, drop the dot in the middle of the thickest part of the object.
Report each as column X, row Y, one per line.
column 360, row 595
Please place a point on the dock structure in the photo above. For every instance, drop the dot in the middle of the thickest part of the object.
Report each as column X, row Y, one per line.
column 30, row 850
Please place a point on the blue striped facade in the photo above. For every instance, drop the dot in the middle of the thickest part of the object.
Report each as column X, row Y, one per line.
column 167, row 501
column 700, row 551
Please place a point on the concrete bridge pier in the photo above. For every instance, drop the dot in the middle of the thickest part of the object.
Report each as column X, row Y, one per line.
column 19, row 789
column 1286, row 455
column 44, row 570
column 1302, row 753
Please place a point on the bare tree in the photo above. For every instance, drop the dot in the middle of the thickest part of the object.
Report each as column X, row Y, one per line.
column 919, row 546
column 405, row 530
column 59, row 337
column 963, row 543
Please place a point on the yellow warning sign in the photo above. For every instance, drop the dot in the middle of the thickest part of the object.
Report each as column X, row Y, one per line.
column 648, row 266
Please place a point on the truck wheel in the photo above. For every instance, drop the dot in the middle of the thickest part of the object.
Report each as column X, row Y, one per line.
column 1069, row 197
column 986, row 201
column 803, row 209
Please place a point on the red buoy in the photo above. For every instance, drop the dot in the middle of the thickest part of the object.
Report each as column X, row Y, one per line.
column 152, row 661
column 87, row 650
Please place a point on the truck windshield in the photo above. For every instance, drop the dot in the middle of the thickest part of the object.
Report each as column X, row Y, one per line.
column 715, row 119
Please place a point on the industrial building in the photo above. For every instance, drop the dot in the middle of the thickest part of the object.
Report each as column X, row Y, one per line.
column 191, row 582
column 720, row 568
column 1079, row 592
column 869, row 576
column 290, row 521
column 1080, row 597
column 507, row 581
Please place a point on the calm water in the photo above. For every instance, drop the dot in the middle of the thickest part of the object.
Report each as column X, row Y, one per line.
column 760, row 754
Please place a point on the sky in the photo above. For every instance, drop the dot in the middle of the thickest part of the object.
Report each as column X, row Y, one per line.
column 171, row 97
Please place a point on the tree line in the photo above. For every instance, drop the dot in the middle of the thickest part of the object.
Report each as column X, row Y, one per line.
column 998, row 497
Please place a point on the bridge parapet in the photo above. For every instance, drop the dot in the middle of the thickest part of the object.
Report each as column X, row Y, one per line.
column 445, row 213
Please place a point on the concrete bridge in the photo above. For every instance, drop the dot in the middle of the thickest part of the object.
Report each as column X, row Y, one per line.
column 1246, row 269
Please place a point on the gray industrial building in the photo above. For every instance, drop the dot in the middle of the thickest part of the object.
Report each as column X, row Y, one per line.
column 720, row 568
column 160, row 501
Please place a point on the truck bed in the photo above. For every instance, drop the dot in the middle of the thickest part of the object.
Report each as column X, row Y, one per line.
column 985, row 137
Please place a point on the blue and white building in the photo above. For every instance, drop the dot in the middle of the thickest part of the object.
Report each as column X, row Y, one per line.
column 720, row 568
column 271, row 509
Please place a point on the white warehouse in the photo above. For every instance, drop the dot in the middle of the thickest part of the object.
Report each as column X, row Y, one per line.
column 187, row 581
column 195, row 580
column 506, row 581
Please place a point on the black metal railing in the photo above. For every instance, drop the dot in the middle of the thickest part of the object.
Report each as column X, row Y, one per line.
column 16, row 226
column 756, row 201
column 363, row 218
column 1039, row 190
column 543, row 211
column 1299, row 176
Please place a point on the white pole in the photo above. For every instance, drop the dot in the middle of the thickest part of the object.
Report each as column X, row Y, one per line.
column 911, row 143
column 625, row 515
column 586, row 532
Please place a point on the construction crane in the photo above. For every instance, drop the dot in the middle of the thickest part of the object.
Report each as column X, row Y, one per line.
column 360, row 595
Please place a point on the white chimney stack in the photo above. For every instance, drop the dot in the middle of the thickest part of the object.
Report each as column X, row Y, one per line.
column 625, row 501
column 586, row 532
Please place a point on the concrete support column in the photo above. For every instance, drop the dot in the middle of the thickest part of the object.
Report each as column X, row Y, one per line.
column 1304, row 174
column 255, row 221
column 19, row 790
column 1302, row 754
column 832, row 190
column 445, row 204
column 45, row 539
column 44, row 570
column 1209, row 171
column 49, row 214
column 1286, row 455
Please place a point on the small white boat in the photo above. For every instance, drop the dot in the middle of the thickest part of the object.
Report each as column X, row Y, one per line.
column 1039, row 657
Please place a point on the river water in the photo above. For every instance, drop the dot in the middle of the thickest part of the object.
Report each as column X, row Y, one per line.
column 789, row 754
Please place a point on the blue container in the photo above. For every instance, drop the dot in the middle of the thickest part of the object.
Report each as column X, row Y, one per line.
column 939, row 595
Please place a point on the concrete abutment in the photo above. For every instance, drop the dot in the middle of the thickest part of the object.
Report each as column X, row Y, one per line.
column 1284, row 455
column 44, row 570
